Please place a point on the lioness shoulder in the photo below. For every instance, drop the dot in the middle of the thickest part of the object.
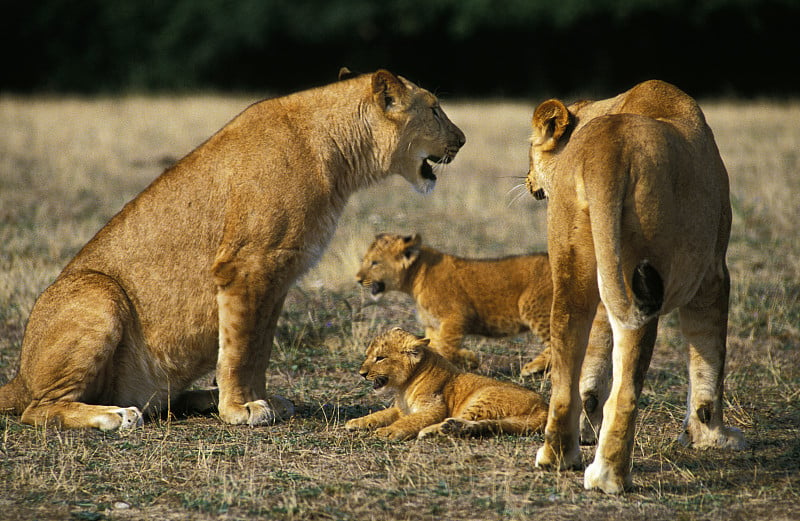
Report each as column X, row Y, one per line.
column 457, row 296
column 432, row 396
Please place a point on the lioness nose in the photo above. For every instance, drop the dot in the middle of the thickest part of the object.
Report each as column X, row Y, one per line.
column 461, row 137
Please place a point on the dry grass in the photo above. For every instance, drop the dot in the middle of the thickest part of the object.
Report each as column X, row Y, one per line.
column 67, row 165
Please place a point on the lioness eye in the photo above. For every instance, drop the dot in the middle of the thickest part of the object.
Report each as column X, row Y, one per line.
column 436, row 112
column 379, row 358
column 374, row 263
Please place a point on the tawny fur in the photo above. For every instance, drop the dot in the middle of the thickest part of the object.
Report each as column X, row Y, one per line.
column 191, row 275
column 457, row 296
column 639, row 219
column 432, row 396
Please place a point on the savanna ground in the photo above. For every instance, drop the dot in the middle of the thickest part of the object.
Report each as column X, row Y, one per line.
column 67, row 165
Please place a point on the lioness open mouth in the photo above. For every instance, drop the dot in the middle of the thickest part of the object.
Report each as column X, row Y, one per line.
column 380, row 382
column 426, row 170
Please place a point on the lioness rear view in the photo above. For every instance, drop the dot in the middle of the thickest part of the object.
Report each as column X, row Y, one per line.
column 639, row 218
column 192, row 274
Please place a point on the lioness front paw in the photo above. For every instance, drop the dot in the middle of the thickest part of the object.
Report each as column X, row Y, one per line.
column 122, row 418
column 257, row 412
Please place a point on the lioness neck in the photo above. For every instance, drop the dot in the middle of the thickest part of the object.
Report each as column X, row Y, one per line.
column 340, row 133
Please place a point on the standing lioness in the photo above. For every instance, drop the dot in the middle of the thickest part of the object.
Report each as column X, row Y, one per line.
column 191, row 275
column 638, row 217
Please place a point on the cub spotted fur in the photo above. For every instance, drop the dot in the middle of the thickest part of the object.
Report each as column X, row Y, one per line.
column 456, row 296
column 191, row 275
column 433, row 397
column 638, row 219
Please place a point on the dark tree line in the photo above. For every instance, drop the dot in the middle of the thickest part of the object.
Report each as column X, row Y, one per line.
column 455, row 47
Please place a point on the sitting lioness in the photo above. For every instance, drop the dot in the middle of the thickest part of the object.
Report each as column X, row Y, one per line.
column 456, row 297
column 639, row 218
column 432, row 396
column 191, row 275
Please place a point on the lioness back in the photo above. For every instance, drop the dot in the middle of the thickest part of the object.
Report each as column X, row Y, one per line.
column 432, row 396
column 457, row 296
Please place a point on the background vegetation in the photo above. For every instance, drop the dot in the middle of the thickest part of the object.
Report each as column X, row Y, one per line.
column 67, row 165
column 458, row 47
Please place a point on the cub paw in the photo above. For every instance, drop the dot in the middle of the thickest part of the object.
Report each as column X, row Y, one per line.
column 455, row 427
column 357, row 424
column 392, row 433
column 467, row 358
column 539, row 365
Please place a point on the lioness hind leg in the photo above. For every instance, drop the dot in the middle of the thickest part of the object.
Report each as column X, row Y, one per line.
column 77, row 415
column 74, row 336
column 610, row 470
column 705, row 328
column 596, row 376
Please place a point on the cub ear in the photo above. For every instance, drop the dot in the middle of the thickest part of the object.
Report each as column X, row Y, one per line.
column 388, row 90
column 414, row 239
column 410, row 250
column 346, row 74
column 550, row 121
column 416, row 348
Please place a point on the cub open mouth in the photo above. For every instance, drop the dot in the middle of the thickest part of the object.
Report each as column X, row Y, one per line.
column 377, row 287
column 380, row 382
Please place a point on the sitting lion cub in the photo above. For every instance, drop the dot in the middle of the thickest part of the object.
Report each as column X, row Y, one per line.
column 456, row 296
column 432, row 396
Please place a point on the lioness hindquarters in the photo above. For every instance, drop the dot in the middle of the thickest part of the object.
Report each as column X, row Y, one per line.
column 638, row 216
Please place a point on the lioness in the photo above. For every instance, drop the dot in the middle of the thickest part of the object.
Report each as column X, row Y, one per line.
column 433, row 397
column 191, row 275
column 639, row 218
column 457, row 297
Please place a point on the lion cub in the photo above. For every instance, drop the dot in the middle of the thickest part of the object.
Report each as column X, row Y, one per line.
column 457, row 297
column 433, row 397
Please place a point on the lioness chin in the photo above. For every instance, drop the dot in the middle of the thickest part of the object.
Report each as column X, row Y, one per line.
column 191, row 275
column 433, row 397
column 638, row 218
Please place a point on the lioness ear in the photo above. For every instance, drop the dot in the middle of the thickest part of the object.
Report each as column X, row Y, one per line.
column 550, row 121
column 387, row 89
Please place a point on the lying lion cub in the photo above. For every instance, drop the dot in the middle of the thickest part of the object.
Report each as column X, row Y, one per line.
column 457, row 297
column 433, row 397
column 191, row 275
